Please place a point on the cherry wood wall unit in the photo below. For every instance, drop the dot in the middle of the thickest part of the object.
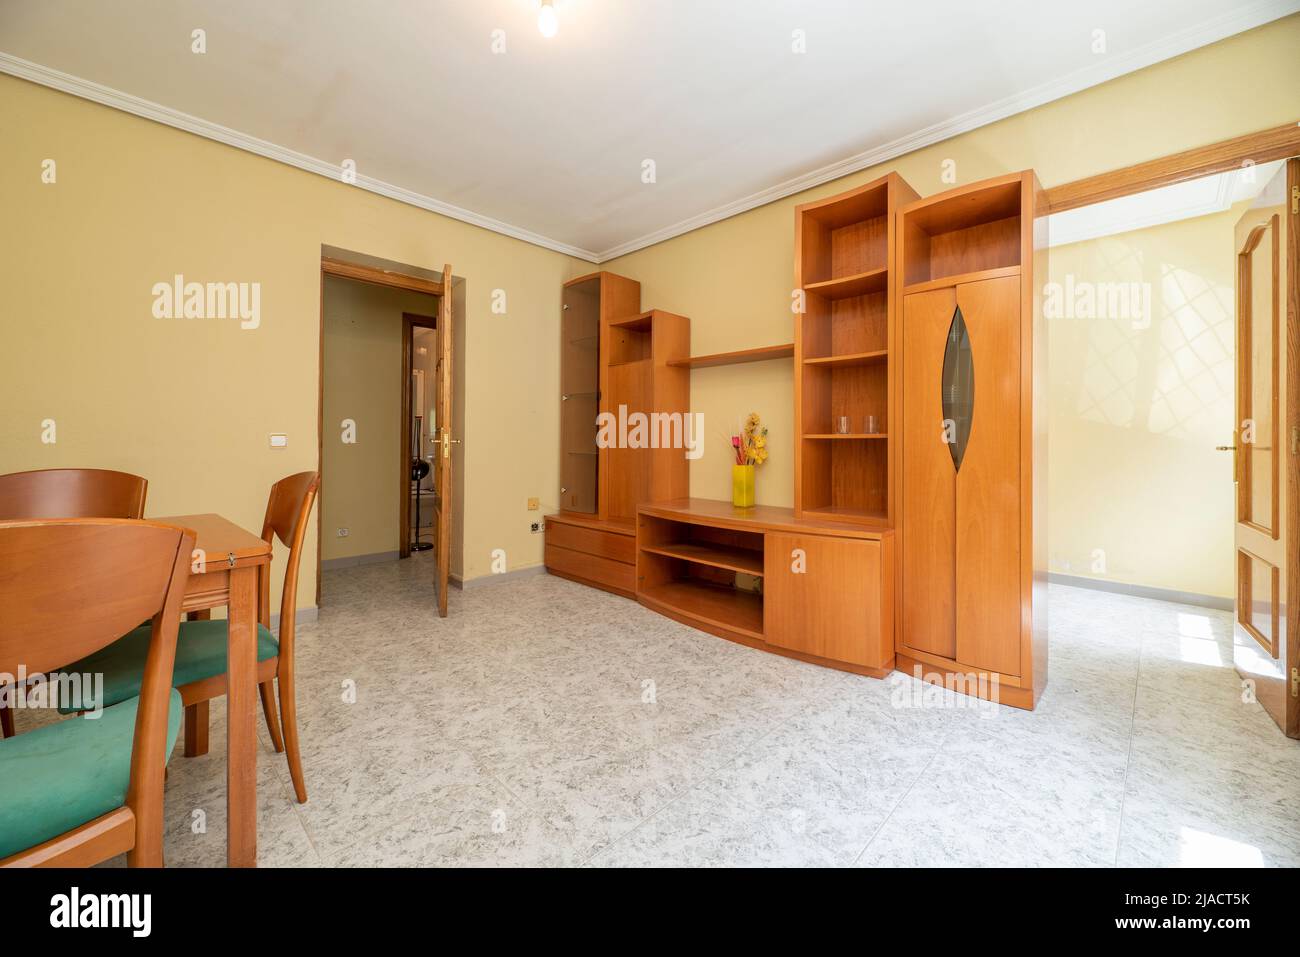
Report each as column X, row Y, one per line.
column 846, row 266
column 972, row 438
column 619, row 360
column 820, row 591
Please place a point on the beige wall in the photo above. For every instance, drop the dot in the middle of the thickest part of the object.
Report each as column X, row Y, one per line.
column 1137, row 404
column 363, row 382
column 189, row 403
column 734, row 278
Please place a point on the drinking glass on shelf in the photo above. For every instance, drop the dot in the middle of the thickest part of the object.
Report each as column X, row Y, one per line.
column 842, row 425
column 869, row 425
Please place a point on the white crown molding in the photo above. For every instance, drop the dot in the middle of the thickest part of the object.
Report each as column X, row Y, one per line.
column 1212, row 31
column 98, row 93
column 1229, row 24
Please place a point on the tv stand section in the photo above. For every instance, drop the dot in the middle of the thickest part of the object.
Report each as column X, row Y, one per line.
column 818, row 591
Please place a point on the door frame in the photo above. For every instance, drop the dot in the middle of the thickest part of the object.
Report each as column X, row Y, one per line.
column 330, row 266
column 1264, row 146
column 410, row 322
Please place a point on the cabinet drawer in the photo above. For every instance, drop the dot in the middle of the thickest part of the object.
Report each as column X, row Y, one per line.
column 619, row 576
column 621, row 548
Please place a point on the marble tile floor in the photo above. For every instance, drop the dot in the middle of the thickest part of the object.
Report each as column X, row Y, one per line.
column 544, row 723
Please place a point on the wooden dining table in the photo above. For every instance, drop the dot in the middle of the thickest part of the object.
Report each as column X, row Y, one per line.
column 229, row 561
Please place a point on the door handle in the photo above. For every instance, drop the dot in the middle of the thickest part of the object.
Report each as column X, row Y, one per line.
column 447, row 443
column 1225, row 448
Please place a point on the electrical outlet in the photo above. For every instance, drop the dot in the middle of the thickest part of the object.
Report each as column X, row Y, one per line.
column 534, row 504
column 344, row 532
column 536, row 527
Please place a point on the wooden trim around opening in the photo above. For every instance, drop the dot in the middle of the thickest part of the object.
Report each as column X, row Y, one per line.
column 380, row 277
column 1265, row 146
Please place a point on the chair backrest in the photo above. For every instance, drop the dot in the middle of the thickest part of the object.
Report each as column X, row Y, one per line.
column 68, row 587
column 286, row 519
column 72, row 493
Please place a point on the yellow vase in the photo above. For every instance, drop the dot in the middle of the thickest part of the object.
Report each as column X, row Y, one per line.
column 742, row 486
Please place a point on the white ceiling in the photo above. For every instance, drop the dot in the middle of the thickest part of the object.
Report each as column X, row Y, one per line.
column 546, row 141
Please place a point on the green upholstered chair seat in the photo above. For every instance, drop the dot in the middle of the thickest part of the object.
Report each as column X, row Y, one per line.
column 200, row 654
column 63, row 775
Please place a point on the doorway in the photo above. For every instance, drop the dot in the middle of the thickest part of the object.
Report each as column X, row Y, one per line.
column 1174, row 337
column 416, row 466
column 373, row 385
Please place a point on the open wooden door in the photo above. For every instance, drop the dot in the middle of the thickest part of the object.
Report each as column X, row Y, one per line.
column 442, row 415
column 1267, row 448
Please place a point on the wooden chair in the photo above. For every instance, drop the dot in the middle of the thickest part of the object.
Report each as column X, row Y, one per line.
column 68, row 493
column 200, row 673
column 72, row 493
column 83, row 790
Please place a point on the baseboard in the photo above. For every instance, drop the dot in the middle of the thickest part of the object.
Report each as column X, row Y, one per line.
column 350, row 561
column 515, row 575
column 1143, row 591
column 301, row 616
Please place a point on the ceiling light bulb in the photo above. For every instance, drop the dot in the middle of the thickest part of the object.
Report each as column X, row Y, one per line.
column 547, row 22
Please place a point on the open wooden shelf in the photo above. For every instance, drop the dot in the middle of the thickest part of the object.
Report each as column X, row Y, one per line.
column 967, row 231
column 731, row 608
column 849, row 359
column 848, row 435
column 639, row 323
column 716, row 556
column 948, row 281
column 840, row 513
column 761, row 354
column 846, row 259
column 846, row 287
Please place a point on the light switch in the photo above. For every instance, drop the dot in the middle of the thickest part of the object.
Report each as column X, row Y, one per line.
column 534, row 504
column 279, row 440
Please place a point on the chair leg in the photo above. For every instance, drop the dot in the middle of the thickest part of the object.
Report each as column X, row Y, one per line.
column 147, row 804
column 6, row 721
column 289, row 721
column 196, row 729
column 267, row 689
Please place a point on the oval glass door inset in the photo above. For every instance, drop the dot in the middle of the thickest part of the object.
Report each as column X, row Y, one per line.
column 958, row 388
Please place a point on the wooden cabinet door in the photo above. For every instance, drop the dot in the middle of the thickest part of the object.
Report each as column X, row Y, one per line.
column 830, row 597
column 928, row 495
column 988, row 483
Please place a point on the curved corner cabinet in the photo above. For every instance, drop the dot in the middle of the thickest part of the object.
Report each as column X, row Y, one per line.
column 972, row 529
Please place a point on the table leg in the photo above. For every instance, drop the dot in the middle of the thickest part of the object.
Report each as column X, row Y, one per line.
column 196, row 715
column 241, row 732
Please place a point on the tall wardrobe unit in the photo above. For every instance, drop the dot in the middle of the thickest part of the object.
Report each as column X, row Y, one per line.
column 972, row 502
